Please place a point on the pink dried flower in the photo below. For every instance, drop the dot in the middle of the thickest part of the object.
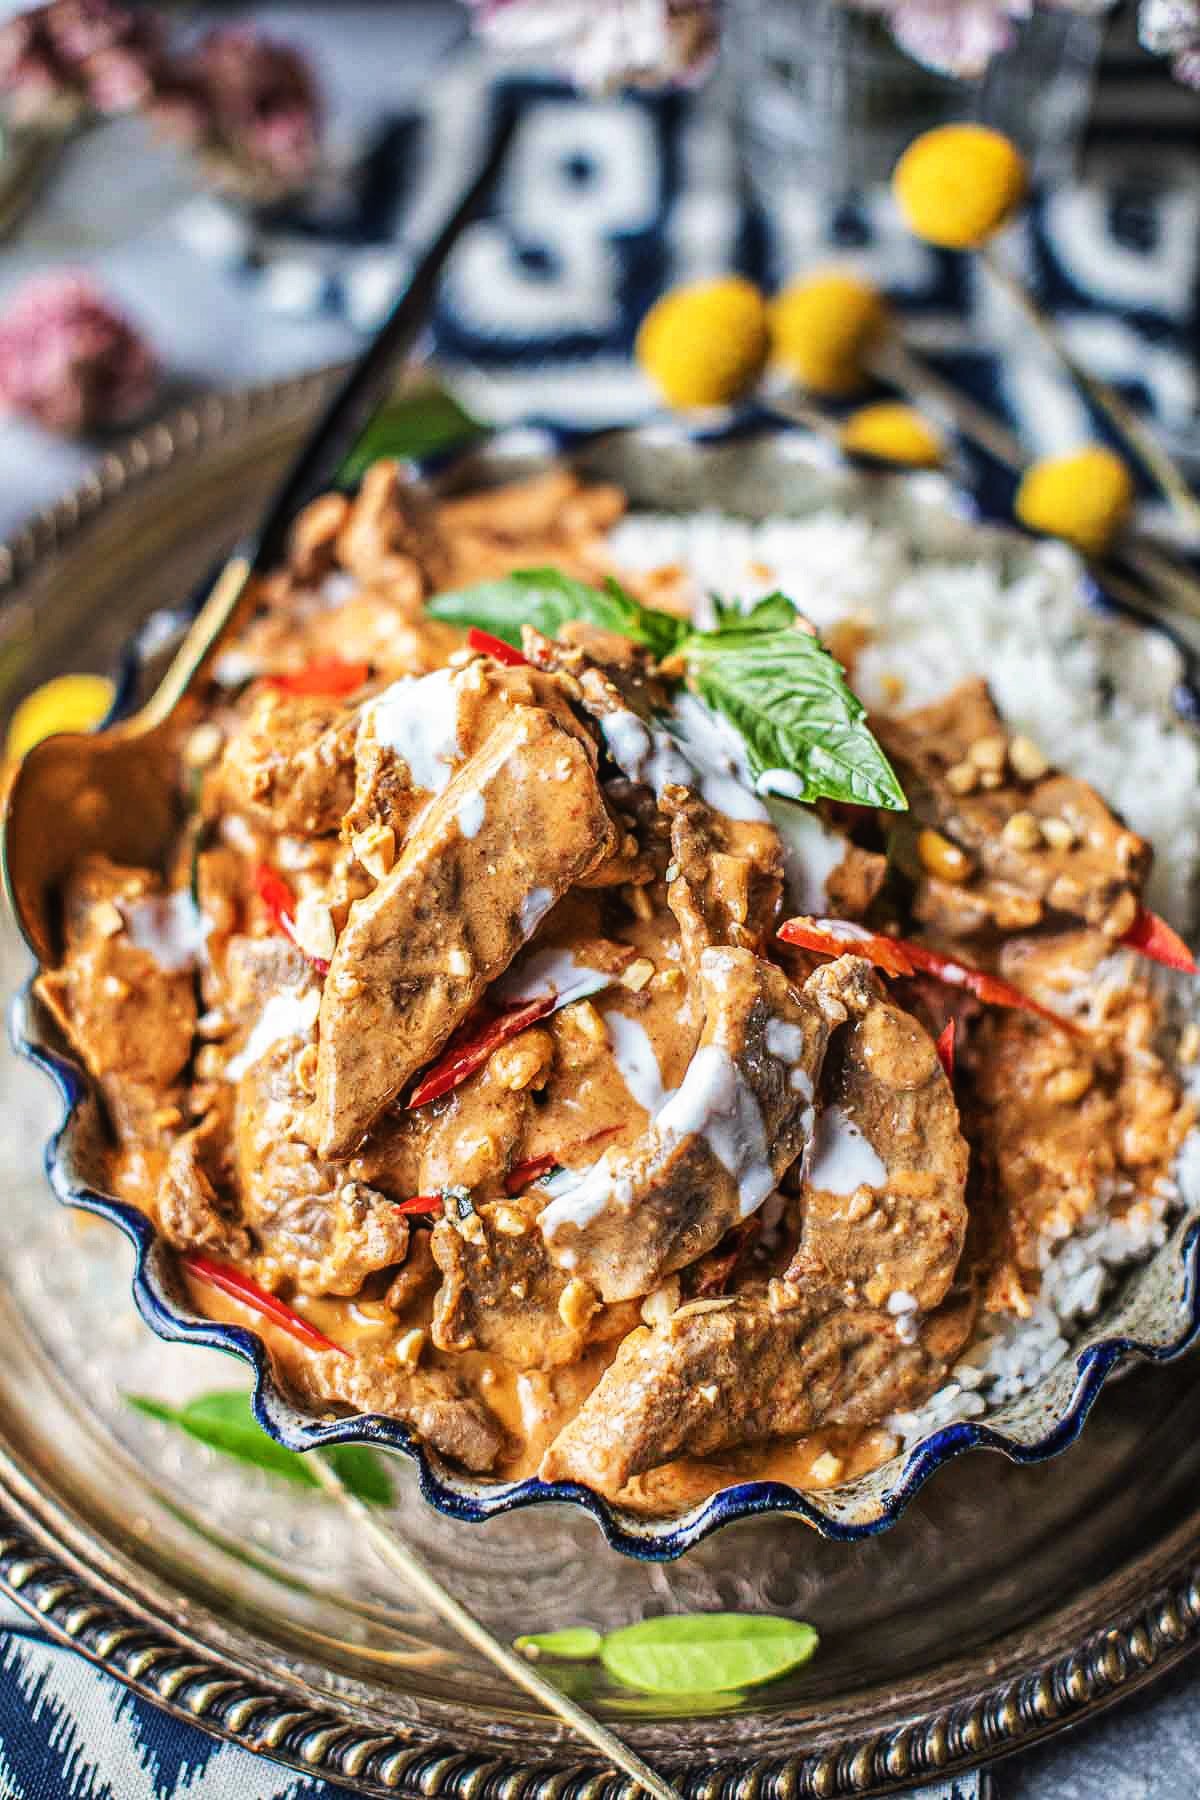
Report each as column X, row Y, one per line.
column 960, row 37
column 606, row 44
column 1172, row 28
column 70, row 360
column 59, row 59
column 250, row 106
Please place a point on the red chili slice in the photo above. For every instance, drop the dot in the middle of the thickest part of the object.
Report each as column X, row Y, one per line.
column 1153, row 937
column 525, row 1174
column 231, row 1281
column 838, row 937
column 900, row 956
column 470, row 1053
column 328, row 675
column 277, row 896
column 494, row 646
column 424, row 1205
column 988, row 988
column 945, row 1050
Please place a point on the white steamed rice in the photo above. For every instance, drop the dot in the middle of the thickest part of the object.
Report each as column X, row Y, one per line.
column 943, row 605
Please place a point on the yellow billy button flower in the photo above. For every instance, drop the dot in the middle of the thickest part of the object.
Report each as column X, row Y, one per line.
column 68, row 703
column 705, row 344
column 893, row 432
column 1084, row 498
column 958, row 185
column 824, row 327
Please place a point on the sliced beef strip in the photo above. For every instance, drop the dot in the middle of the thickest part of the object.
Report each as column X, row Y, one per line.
column 191, row 1212
column 501, row 1293
column 313, row 1226
column 721, row 1373
column 418, row 953
column 290, row 766
column 721, row 1143
column 729, row 881
column 442, row 1414
column 391, row 532
column 465, row 706
column 1097, row 878
column 853, row 885
column 131, row 1018
column 882, row 1207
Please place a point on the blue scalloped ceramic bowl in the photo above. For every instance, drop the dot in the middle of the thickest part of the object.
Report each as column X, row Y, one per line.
column 1152, row 1310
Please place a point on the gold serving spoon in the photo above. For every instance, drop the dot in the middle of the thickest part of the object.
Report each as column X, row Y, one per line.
column 113, row 790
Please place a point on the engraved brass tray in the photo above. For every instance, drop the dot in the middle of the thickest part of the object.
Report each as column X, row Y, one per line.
column 1006, row 1604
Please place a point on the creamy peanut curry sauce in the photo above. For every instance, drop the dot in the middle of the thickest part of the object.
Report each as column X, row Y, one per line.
column 458, row 1022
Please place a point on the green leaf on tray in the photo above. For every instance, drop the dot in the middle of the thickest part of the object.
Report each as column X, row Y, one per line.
column 576, row 1642
column 706, row 1653
column 412, row 425
column 547, row 599
column 789, row 700
column 225, row 1422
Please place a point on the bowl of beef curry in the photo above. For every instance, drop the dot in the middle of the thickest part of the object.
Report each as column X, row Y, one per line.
column 570, row 1038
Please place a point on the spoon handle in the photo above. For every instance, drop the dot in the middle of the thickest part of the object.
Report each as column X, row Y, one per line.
column 367, row 383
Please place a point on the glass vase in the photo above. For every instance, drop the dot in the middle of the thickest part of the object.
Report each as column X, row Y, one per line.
column 825, row 101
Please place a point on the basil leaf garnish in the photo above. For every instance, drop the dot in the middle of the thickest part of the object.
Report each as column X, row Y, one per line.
column 777, row 685
column 789, row 700
column 411, row 426
column 576, row 1642
column 547, row 599
column 224, row 1421
column 706, row 1653
column 774, row 613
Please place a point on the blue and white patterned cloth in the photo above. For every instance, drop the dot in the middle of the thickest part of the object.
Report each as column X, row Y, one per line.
column 607, row 202
column 68, row 1733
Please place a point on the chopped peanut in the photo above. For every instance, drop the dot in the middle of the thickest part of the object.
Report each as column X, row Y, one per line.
column 1027, row 760
column 943, row 858
column 577, row 1304
column 989, row 753
column 1022, row 831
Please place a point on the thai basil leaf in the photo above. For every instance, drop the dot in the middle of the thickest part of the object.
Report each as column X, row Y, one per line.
column 410, row 426
column 225, row 1422
column 789, row 700
column 547, row 599
column 774, row 613
column 706, row 1653
column 577, row 1642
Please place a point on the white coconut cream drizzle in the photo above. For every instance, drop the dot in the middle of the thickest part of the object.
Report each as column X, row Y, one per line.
column 840, row 1159
column 644, row 753
column 417, row 717
column 289, row 1014
column 634, row 1056
column 718, row 754
column 713, row 1102
column 471, row 813
column 785, row 1040
column 170, row 926
column 693, row 748
column 811, row 852
column 538, row 972
column 233, row 667
column 533, row 909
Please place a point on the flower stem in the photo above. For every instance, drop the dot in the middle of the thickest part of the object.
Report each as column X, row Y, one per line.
column 391, row 1549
